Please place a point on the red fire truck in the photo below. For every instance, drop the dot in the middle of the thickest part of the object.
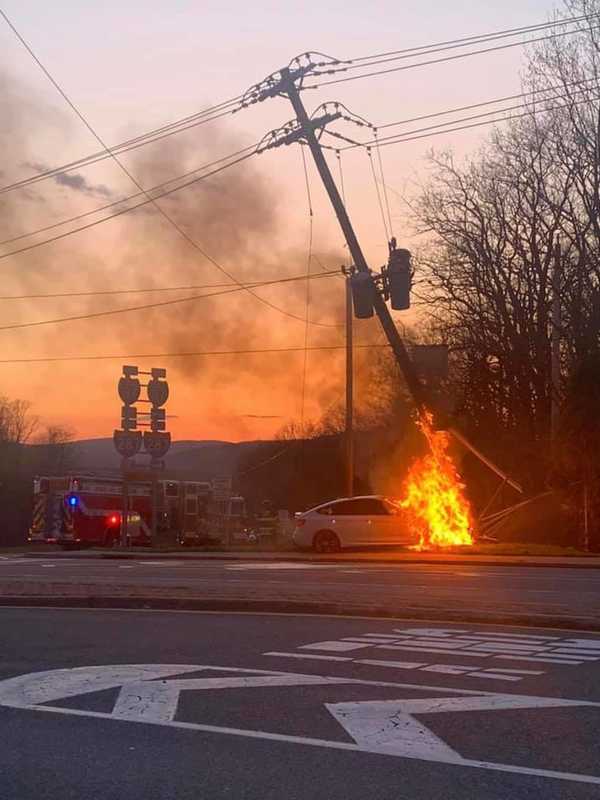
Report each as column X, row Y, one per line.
column 86, row 510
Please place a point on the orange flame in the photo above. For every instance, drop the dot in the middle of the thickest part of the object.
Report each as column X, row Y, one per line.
column 433, row 495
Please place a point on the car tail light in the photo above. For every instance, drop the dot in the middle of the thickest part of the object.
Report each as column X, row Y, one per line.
column 300, row 523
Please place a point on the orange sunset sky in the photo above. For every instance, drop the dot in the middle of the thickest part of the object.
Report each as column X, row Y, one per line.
column 135, row 66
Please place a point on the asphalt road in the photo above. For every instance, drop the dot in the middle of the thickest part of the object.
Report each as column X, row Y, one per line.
column 500, row 593
column 265, row 707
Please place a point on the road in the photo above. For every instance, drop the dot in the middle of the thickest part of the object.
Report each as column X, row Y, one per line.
column 164, row 705
column 515, row 594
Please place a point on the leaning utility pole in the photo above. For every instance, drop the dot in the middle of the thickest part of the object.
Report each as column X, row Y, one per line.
column 289, row 88
column 303, row 128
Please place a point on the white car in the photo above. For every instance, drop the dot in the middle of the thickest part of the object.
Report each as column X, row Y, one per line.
column 352, row 522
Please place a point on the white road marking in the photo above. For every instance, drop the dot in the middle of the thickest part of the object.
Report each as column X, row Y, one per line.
column 429, row 631
column 541, row 659
column 382, row 635
column 340, row 647
column 493, row 675
column 386, row 727
column 497, row 634
column 517, row 671
column 312, row 656
column 448, row 669
column 423, row 649
column 48, row 566
column 390, row 727
column 370, row 640
column 593, row 643
column 157, row 701
column 394, row 664
column 334, row 745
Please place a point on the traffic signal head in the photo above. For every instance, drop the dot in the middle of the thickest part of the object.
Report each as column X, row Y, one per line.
column 399, row 279
column 363, row 294
column 128, row 418
column 158, row 419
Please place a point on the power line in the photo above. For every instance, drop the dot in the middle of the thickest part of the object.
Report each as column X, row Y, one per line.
column 189, row 354
column 479, row 37
column 432, row 130
column 163, row 303
column 102, row 156
column 134, row 180
column 485, row 122
column 442, row 59
column 122, row 200
column 122, row 211
column 485, row 103
column 144, row 290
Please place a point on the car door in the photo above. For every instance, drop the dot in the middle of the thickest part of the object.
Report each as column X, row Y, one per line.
column 348, row 522
column 378, row 521
column 397, row 530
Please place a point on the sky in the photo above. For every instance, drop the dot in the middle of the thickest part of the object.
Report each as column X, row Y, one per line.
column 129, row 67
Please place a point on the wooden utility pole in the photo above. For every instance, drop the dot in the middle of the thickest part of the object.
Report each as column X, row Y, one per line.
column 349, row 394
column 385, row 318
column 555, row 330
column 287, row 86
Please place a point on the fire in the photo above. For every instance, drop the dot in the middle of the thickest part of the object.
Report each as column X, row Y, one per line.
column 433, row 495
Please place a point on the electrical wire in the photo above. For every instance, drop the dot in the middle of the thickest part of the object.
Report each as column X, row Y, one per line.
column 378, row 193
column 192, row 242
column 122, row 200
column 145, row 290
column 482, row 36
column 471, row 106
column 485, row 122
column 162, row 304
column 122, row 211
column 443, row 59
column 88, row 161
column 383, row 183
column 190, row 354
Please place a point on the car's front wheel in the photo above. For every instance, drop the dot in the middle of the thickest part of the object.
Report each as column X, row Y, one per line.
column 326, row 542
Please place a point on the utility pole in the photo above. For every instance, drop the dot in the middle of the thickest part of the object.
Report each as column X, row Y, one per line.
column 555, row 331
column 303, row 128
column 381, row 309
column 349, row 393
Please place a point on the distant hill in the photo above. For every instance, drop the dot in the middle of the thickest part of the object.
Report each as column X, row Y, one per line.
column 200, row 460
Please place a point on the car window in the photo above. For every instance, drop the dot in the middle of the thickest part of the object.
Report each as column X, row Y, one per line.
column 351, row 507
column 325, row 510
column 372, row 506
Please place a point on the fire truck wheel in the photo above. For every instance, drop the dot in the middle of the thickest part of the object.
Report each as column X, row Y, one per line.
column 326, row 542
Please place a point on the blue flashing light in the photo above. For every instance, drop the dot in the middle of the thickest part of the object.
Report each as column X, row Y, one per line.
column 72, row 501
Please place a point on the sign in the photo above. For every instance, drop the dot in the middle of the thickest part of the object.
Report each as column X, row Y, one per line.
column 158, row 392
column 150, row 693
column 127, row 443
column 157, row 443
column 129, row 390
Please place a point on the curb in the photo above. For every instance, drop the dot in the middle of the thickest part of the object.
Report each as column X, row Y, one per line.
column 579, row 562
column 296, row 607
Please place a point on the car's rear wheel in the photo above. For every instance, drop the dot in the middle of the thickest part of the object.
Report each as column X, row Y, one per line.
column 326, row 542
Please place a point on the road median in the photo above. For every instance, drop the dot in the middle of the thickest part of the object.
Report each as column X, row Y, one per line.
column 97, row 596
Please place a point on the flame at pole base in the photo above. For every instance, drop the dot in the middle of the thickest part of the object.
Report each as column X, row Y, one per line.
column 433, row 495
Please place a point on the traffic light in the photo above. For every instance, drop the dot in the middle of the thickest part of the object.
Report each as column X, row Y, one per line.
column 399, row 278
column 363, row 294
column 158, row 419
column 128, row 418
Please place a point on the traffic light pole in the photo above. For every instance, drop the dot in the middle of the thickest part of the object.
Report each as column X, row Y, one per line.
column 381, row 309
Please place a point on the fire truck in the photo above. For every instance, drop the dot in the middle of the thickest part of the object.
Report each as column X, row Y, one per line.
column 87, row 510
